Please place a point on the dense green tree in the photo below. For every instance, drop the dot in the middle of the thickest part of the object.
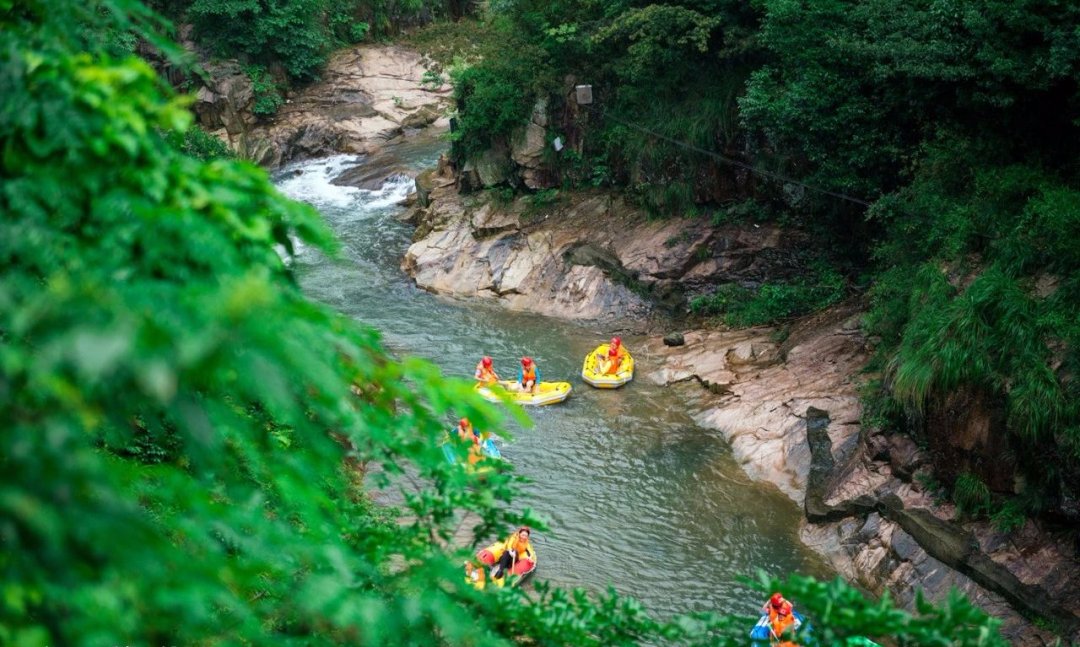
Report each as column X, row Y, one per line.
column 646, row 63
column 962, row 119
column 857, row 86
column 297, row 36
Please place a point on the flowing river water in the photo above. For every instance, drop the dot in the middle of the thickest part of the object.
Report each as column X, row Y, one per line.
column 637, row 496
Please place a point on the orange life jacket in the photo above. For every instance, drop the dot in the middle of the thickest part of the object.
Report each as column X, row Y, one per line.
column 528, row 373
column 614, row 356
column 781, row 623
column 523, row 548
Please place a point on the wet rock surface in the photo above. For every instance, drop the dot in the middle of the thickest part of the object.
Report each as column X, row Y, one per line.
column 674, row 339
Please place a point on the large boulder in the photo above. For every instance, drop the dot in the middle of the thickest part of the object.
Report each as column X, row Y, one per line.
column 602, row 240
column 904, row 456
column 226, row 102
column 762, row 391
column 492, row 168
column 425, row 182
column 527, row 151
column 507, row 252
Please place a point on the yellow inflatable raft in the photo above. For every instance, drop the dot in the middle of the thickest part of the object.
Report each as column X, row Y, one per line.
column 475, row 575
column 546, row 392
column 590, row 371
column 519, row 573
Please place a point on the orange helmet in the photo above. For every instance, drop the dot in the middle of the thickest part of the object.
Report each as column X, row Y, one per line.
column 615, row 341
column 486, row 361
column 525, row 361
column 776, row 600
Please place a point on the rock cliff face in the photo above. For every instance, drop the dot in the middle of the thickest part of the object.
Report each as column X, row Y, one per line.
column 789, row 408
column 368, row 95
column 592, row 256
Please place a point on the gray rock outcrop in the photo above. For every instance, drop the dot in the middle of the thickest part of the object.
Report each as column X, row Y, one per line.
column 591, row 256
column 367, row 95
column 225, row 104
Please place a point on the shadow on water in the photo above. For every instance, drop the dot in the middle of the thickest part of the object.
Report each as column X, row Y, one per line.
column 637, row 496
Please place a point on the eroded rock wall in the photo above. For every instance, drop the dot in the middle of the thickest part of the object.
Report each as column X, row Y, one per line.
column 367, row 96
column 590, row 255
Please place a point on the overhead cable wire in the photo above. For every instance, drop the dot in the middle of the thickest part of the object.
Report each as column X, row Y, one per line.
column 734, row 162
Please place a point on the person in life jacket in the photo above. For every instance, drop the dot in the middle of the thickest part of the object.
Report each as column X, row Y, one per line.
column 467, row 433
column 782, row 621
column 518, row 556
column 529, row 377
column 475, row 575
column 485, row 373
column 609, row 365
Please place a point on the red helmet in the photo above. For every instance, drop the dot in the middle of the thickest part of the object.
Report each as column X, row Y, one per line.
column 615, row 341
column 525, row 361
column 486, row 361
column 464, row 422
column 776, row 600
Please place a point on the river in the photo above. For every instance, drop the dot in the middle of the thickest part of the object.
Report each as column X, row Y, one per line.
column 636, row 495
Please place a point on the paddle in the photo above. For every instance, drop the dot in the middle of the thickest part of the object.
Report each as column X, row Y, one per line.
column 513, row 564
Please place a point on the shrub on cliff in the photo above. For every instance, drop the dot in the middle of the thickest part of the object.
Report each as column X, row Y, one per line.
column 296, row 36
column 983, row 293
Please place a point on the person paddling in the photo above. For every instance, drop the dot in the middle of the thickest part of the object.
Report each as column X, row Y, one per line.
column 467, row 433
column 475, row 575
column 782, row 618
column 518, row 555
